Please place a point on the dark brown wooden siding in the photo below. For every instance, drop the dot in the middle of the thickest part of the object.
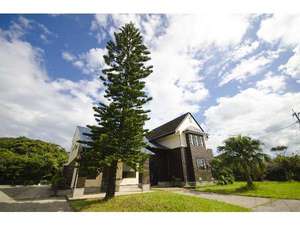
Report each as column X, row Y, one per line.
column 202, row 153
column 165, row 166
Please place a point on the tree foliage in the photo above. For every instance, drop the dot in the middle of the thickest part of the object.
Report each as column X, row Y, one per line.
column 27, row 161
column 244, row 154
column 120, row 130
column 284, row 168
column 279, row 148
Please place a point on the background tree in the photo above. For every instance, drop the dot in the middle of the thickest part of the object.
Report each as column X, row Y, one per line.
column 245, row 154
column 26, row 161
column 279, row 149
column 284, row 168
column 120, row 131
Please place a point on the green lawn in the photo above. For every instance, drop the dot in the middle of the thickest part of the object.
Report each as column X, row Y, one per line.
column 157, row 201
column 283, row 190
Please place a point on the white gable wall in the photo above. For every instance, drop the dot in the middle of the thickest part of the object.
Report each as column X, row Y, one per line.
column 188, row 122
column 178, row 139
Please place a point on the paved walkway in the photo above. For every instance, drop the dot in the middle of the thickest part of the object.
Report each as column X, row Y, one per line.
column 12, row 200
column 102, row 195
column 38, row 199
column 257, row 204
column 53, row 205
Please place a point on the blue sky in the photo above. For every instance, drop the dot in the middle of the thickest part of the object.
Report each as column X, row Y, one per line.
column 238, row 74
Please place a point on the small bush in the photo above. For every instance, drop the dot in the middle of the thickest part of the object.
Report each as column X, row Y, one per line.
column 58, row 182
column 221, row 173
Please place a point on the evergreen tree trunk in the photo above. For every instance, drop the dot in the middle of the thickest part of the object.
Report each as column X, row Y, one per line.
column 111, row 183
column 249, row 181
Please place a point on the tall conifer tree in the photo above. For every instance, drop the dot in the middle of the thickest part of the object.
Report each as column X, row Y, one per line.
column 120, row 131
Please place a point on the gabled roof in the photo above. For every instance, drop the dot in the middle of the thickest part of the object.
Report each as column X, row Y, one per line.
column 168, row 128
column 82, row 132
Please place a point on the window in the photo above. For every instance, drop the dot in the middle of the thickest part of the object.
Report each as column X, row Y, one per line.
column 191, row 139
column 202, row 164
column 195, row 140
column 200, row 141
column 128, row 172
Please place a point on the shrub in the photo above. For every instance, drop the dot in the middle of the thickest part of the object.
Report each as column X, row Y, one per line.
column 58, row 182
column 221, row 172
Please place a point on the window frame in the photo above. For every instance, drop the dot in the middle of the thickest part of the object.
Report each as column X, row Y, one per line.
column 202, row 165
column 191, row 139
column 195, row 140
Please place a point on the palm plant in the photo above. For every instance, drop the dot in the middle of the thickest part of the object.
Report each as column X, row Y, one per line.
column 244, row 154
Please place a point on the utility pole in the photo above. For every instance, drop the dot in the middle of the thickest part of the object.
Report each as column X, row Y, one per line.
column 297, row 115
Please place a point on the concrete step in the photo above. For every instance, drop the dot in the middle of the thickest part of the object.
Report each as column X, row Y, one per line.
column 129, row 188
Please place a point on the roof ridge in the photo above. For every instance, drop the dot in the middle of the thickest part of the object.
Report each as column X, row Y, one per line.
column 171, row 121
column 167, row 127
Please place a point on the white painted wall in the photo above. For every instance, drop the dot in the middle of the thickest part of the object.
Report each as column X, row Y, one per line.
column 93, row 182
column 170, row 141
column 187, row 123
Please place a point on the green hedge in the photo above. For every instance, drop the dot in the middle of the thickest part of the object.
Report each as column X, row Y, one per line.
column 26, row 161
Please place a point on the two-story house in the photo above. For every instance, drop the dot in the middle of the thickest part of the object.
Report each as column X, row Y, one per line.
column 182, row 157
column 177, row 156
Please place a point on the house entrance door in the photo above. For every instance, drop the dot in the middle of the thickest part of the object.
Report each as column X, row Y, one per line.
column 129, row 176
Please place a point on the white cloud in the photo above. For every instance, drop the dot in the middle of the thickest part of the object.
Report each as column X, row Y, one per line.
column 31, row 104
column 104, row 25
column 244, row 49
column 256, row 113
column 89, row 62
column 249, row 67
column 99, row 21
column 196, row 31
column 272, row 83
column 22, row 25
column 283, row 27
column 68, row 56
column 292, row 67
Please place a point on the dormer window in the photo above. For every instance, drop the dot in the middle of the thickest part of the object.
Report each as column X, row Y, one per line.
column 196, row 140
column 191, row 139
column 200, row 141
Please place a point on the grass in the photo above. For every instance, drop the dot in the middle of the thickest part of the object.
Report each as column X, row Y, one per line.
column 157, row 201
column 280, row 190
